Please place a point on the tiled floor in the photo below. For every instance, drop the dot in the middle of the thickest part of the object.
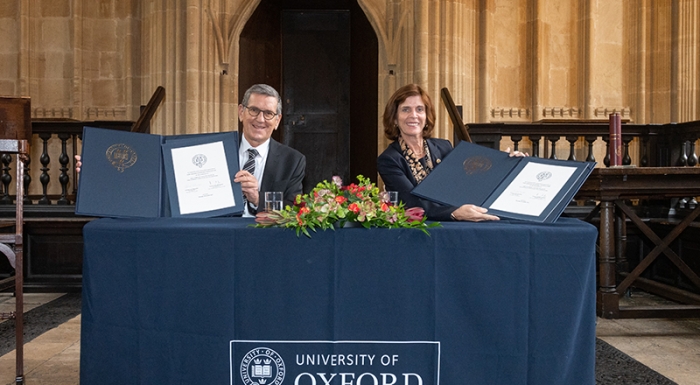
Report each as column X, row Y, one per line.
column 671, row 347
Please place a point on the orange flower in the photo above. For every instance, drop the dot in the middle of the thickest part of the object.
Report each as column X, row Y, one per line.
column 354, row 208
column 340, row 199
column 385, row 207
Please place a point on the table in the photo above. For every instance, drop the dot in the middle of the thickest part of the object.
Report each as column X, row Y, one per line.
column 612, row 186
column 184, row 301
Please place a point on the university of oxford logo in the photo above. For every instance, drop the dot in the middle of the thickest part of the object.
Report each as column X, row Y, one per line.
column 262, row 366
column 476, row 164
column 121, row 156
column 199, row 160
column 544, row 175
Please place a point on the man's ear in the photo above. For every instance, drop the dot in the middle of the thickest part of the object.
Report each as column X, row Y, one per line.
column 240, row 112
column 279, row 119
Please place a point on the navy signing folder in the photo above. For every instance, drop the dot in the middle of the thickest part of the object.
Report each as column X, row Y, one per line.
column 129, row 174
column 526, row 188
column 121, row 175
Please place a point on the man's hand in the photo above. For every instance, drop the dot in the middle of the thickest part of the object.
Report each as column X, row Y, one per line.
column 516, row 153
column 249, row 186
column 78, row 163
column 473, row 213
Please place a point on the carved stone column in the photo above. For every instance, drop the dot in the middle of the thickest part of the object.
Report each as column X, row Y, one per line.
column 191, row 48
column 431, row 43
column 685, row 102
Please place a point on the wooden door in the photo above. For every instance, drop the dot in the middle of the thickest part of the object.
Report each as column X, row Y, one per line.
column 353, row 79
column 316, row 90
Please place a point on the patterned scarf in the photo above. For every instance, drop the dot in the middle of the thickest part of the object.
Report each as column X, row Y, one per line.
column 418, row 169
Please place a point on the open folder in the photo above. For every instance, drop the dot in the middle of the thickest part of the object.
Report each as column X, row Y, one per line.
column 129, row 174
column 526, row 188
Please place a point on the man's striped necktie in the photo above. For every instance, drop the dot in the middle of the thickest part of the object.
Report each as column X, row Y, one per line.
column 250, row 167
column 250, row 163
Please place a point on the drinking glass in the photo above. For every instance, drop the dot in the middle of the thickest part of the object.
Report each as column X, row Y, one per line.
column 273, row 200
column 393, row 197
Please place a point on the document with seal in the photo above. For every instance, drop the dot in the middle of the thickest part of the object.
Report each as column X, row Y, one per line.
column 202, row 178
column 199, row 171
column 527, row 188
column 533, row 189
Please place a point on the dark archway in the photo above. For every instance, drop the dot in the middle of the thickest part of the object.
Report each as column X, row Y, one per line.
column 261, row 60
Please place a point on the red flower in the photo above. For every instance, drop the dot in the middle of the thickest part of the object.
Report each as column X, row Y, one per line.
column 415, row 214
column 301, row 212
column 341, row 199
column 385, row 207
column 354, row 208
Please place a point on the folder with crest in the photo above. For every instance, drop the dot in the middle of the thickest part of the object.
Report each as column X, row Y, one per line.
column 525, row 188
column 131, row 174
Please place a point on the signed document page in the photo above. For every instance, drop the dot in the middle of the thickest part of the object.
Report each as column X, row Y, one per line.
column 202, row 178
column 533, row 189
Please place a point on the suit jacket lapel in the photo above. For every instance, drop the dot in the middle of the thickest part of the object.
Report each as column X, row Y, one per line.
column 271, row 166
column 404, row 163
column 434, row 153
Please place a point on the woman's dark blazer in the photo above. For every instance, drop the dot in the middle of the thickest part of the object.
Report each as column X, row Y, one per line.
column 397, row 176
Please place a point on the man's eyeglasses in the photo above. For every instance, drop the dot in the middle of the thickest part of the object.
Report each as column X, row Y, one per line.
column 254, row 112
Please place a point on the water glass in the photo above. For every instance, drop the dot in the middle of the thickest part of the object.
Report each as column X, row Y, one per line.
column 273, row 200
column 393, row 197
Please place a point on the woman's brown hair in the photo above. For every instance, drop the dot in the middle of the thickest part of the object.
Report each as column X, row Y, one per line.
column 391, row 130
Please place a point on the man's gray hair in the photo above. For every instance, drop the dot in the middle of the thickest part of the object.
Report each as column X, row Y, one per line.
column 263, row 89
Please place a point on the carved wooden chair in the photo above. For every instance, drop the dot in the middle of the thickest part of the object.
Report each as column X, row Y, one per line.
column 15, row 126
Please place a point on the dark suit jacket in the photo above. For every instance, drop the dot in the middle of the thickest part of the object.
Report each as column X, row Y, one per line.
column 284, row 171
column 397, row 176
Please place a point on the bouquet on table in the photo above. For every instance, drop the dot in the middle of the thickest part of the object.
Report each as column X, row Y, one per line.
column 330, row 205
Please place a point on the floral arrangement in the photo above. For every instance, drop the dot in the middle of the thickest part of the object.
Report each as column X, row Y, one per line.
column 330, row 205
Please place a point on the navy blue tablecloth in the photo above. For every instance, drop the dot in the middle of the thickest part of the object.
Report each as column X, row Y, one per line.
column 188, row 301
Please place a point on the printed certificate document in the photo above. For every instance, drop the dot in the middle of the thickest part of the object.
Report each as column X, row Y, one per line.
column 202, row 178
column 533, row 189
column 199, row 171
column 528, row 188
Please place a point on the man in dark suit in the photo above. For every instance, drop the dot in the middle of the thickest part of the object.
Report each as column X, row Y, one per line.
column 272, row 165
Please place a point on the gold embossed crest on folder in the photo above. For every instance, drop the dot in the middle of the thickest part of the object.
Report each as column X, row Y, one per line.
column 476, row 164
column 121, row 156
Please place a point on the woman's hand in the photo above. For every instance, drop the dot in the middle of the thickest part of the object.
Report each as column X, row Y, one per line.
column 472, row 213
column 516, row 153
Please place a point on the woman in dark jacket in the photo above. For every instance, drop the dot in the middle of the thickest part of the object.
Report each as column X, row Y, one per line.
column 409, row 120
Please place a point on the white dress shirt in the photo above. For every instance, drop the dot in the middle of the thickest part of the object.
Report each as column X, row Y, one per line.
column 260, row 161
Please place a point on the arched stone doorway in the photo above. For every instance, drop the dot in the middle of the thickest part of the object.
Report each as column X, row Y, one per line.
column 336, row 84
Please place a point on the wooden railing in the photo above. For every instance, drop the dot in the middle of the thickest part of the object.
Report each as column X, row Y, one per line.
column 657, row 144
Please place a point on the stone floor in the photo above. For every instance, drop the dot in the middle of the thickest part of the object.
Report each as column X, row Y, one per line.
column 671, row 347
